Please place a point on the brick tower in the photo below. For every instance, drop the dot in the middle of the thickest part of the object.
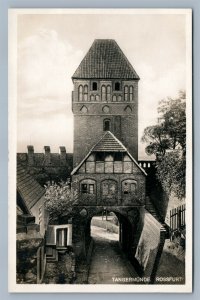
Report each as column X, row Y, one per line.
column 105, row 98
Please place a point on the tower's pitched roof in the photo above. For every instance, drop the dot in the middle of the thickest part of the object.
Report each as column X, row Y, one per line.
column 108, row 143
column 105, row 59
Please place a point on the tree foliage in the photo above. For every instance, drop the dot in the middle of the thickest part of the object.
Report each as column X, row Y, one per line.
column 170, row 132
column 167, row 141
column 59, row 199
column 171, row 173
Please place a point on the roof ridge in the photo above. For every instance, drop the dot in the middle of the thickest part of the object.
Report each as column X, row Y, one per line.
column 105, row 59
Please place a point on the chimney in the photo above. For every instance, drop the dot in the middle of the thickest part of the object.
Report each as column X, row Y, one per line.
column 30, row 155
column 47, row 155
column 62, row 155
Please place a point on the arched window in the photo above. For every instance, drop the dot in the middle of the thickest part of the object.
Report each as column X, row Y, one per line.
column 92, row 97
column 117, row 86
column 119, row 98
column 94, row 86
column 131, row 93
column 114, row 98
column 80, row 93
column 108, row 92
column 109, row 188
column 126, row 93
column 103, row 93
column 106, row 125
column 97, row 97
column 129, row 187
column 88, row 186
column 85, row 93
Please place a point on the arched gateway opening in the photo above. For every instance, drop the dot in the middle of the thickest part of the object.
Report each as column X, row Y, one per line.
column 105, row 226
column 121, row 226
column 107, row 238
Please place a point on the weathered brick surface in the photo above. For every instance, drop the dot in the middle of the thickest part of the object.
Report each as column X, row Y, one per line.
column 128, row 217
column 120, row 198
column 88, row 125
column 44, row 167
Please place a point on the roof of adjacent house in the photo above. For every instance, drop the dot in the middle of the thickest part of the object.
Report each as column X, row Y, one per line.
column 28, row 188
column 108, row 143
column 105, row 59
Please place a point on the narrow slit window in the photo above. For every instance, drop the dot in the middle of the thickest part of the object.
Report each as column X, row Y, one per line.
column 94, row 86
column 91, row 188
column 85, row 93
column 131, row 93
column 103, row 93
column 80, row 93
column 108, row 92
column 117, row 86
column 106, row 125
column 126, row 93
column 84, row 188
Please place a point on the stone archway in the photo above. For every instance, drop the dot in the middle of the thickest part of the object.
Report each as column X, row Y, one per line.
column 128, row 234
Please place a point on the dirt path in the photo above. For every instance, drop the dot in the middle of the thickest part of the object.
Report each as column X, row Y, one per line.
column 107, row 260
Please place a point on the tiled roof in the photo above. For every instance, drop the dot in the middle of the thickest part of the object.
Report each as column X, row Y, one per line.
column 29, row 189
column 19, row 210
column 105, row 59
column 109, row 143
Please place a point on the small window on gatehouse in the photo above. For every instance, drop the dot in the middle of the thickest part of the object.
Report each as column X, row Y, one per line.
column 84, row 188
column 91, row 188
column 87, row 188
column 100, row 156
column 118, row 156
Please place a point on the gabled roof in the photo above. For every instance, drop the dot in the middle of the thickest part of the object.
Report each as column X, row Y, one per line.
column 108, row 143
column 29, row 189
column 105, row 59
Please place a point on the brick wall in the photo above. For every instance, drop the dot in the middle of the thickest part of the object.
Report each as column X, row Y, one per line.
column 88, row 122
column 96, row 199
column 47, row 166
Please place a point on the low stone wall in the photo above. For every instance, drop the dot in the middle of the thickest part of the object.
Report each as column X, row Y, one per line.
column 61, row 271
column 27, row 259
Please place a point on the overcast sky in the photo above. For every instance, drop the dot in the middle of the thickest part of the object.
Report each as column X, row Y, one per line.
column 50, row 48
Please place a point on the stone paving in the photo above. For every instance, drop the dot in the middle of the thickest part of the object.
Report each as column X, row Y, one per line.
column 107, row 261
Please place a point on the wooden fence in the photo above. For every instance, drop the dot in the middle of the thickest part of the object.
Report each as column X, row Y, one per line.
column 177, row 218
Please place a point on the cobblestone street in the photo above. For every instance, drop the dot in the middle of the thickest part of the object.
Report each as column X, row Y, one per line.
column 107, row 260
